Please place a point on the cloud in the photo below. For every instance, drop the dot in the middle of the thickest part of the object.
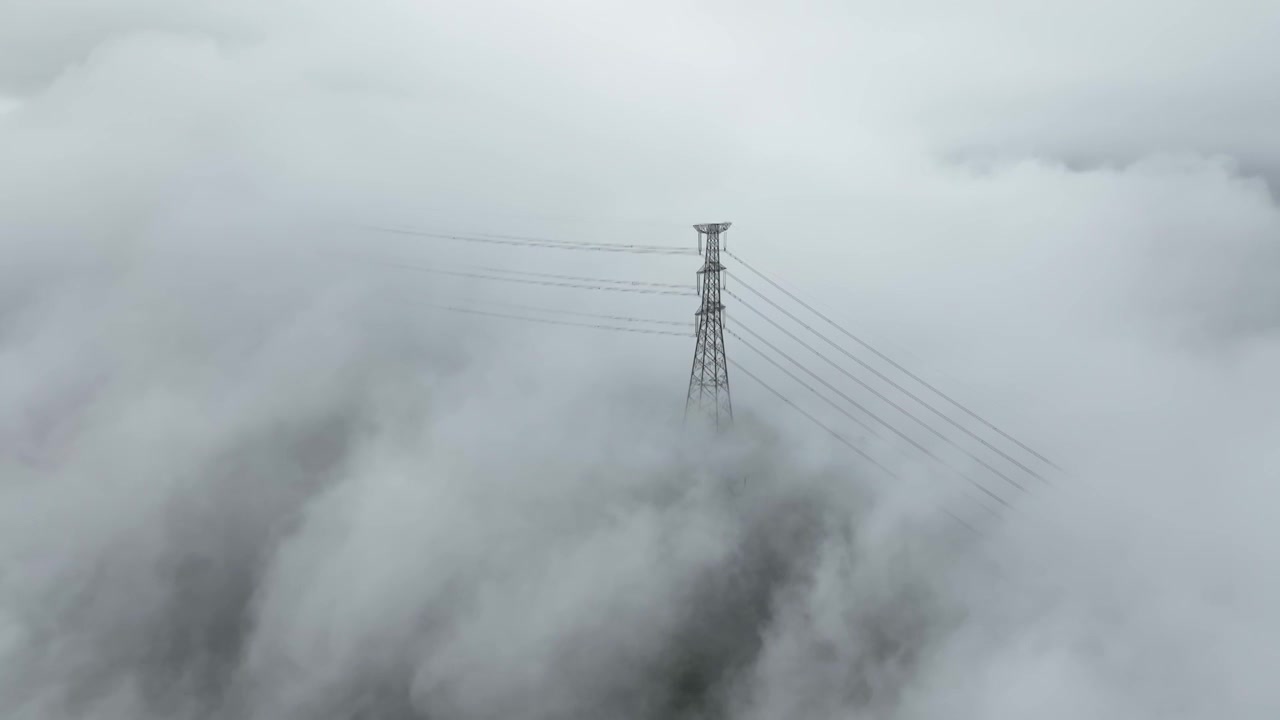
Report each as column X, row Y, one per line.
column 247, row 470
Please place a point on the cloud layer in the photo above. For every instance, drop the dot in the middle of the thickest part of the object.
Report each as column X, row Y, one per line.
column 246, row 474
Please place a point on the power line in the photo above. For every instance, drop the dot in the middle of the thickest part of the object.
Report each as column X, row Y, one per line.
column 905, row 371
column 738, row 366
column 926, row 451
column 540, row 243
column 531, row 238
column 547, row 283
column 873, row 391
column 844, row 412
column 529, row 273
column 881, row 395
column 809, row 387
column 577, row 313
column 842, row 439
column 470, row 311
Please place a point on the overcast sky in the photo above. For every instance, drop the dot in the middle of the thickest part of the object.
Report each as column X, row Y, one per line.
column 248, row 471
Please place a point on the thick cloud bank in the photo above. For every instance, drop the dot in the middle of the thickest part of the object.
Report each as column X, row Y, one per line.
column 245, row 475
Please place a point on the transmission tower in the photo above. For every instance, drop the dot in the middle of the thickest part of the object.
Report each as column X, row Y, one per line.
column 709, row 380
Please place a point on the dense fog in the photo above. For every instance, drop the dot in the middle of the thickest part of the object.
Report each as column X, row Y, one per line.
column 249, row 468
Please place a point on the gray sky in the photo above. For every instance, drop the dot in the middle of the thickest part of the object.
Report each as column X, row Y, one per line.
column 246, row 471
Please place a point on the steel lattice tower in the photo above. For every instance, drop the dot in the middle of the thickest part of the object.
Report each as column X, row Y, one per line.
column 709, row 379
